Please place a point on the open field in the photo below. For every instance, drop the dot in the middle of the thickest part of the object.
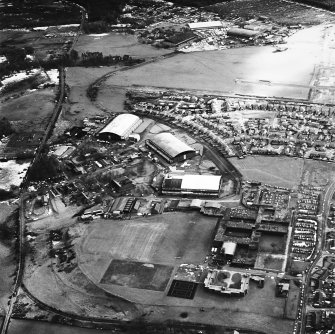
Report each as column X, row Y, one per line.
column 272, row 243
column 251, row 70
column 112, row 98
column 317, row 173
column 282, row 12
column 119, row 44
column 144, row 276
column 36, row 106
column 169, row 239
column 269, row 261
column 277, row 171
column 79, row 105
column 292, row 303
column 44, row 42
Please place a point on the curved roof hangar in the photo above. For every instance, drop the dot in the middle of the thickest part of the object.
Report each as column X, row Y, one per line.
column 122, row 125
column 171, row 144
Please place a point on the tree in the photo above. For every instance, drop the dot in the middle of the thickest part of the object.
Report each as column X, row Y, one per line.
column 5, row 127
column 74, row 55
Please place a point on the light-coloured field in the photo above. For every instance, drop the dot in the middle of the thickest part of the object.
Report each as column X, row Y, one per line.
column 252, row 70
column 12, row 173
column 117, row 44
column 277, row 171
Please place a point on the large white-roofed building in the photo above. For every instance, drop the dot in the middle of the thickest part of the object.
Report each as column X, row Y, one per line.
column 170, row 147
column 120, row 127
column 192, row 184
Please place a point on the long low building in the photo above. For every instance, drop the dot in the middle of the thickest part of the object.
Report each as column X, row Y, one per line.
column 192, row 184
column 120, row 127
column 242, row 32
column 170, row 147
column 205, row 25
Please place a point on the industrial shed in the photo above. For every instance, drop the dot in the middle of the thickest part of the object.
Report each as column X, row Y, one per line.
column 192, row 184
column 120, row 127
column 205, row 25
column 240, row 32
column 170, row 147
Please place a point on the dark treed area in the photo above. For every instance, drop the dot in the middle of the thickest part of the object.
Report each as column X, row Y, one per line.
column 29, row 14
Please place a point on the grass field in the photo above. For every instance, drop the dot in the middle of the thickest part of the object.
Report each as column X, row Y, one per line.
column 272, row 243
column 277, row 171
column 36, row 106
column 79, row 105
column 167, row 239
column 291, row 306
column 236, row 71
column 117, row 44
column 270, row 261
column 317, row 173
column 143, row 275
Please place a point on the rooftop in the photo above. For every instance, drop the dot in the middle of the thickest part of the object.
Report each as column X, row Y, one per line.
column 121, row 124
column 171, row 144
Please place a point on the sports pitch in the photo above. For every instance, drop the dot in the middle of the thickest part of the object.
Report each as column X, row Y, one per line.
column 142, row 253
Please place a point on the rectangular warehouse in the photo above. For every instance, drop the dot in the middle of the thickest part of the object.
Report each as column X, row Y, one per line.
column 192, row 184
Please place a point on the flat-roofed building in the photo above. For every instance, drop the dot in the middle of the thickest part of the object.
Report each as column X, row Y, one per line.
column 205, row 25
column 170, row 147
column 120, row 127
column 192, row 184
column 227, row 282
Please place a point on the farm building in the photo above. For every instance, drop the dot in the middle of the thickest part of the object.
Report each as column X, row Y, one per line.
column 120, row 127
column 191, row 184
column 205, row 25
column 170, row 147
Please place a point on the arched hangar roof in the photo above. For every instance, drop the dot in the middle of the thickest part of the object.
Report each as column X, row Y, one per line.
column 171, row 144
column 122, row 125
